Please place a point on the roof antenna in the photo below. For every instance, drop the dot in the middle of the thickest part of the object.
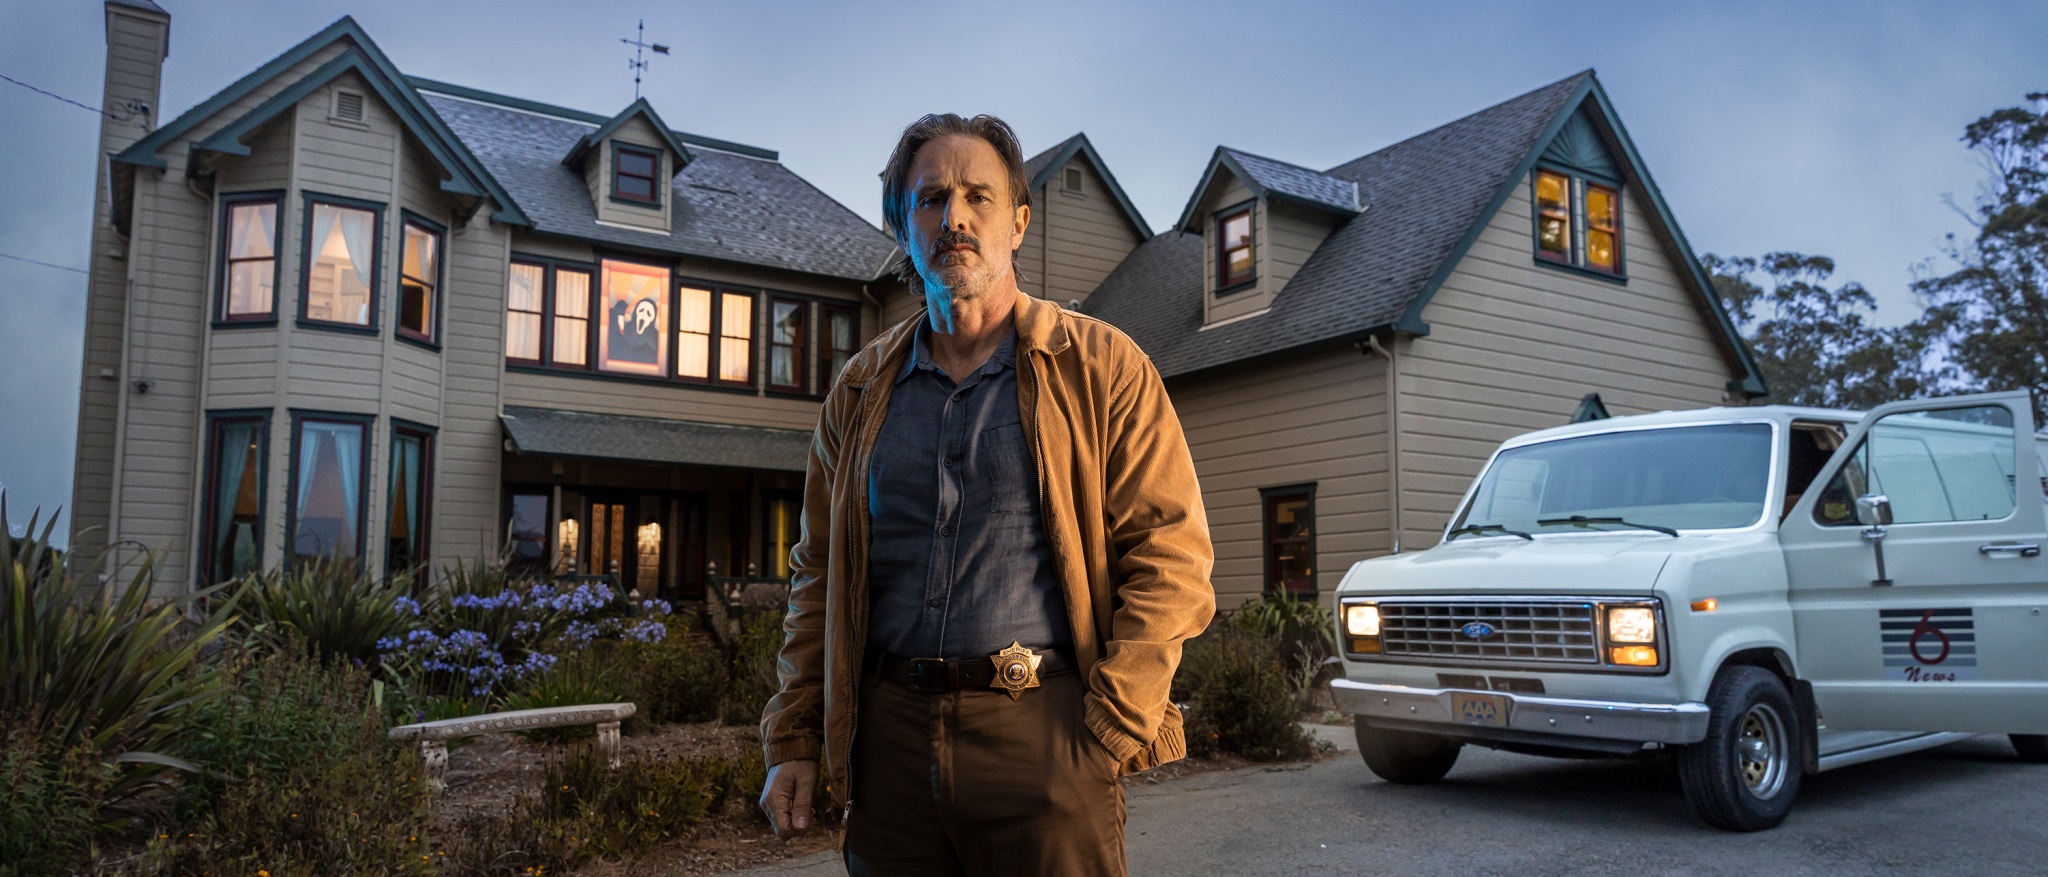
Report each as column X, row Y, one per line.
column 640, row 44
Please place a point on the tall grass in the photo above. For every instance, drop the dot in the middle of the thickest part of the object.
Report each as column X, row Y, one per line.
column 328, row 605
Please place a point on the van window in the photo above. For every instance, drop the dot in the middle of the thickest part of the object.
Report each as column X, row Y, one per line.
column 1686, row 477
column 1954, row 464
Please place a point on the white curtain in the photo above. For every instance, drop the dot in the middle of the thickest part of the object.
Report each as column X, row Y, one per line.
column 348, row 447
column 356, row 235
column 522, row 323
column 230, row 465
column 323, row 225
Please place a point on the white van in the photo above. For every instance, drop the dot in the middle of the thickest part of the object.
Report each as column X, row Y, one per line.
column 1760, row 593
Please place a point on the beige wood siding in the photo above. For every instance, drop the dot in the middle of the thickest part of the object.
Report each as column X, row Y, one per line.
column 1086, row 235
column 468, row 447
column 1515, row 345
column 1317, row 419
column 1031, row 255
column 1292, row 235
column 637, row 132
column 654, row 399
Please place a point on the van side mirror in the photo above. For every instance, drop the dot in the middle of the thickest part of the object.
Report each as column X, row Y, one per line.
column 1874, row 510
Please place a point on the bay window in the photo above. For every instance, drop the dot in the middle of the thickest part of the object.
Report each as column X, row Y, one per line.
column 338, row 276
column 406, row 499
column 328, row 480
column 419, row 280
column 236, row 453
column 247, row 284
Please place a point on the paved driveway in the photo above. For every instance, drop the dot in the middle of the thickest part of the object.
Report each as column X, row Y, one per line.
column 1966, row 809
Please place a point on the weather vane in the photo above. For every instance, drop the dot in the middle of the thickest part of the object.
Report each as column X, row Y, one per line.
column 640, row 45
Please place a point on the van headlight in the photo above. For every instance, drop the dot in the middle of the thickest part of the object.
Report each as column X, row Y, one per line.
column 1361, row 622
column 1634, row 625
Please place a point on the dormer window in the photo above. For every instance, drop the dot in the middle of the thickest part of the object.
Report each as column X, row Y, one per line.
column 1234, row 248
column 1578, row 222
column 634, row 172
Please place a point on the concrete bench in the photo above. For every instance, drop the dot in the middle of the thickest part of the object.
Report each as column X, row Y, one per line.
column 433, row 737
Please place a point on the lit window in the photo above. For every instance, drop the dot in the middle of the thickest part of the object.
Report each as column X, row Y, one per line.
column 736, row 338
column 405, row 532
column 842, row 341
column 635, row 174
column 419, row 280
column 786, row 343
column 1234, row 249
column 327, row 488
column 781, row 527
column 634, row 338
column 341, row 265
column 1578, row 222
column 234, row 508
column 1290, row 539
column 572, row 318
column 693, row 333
column 248, row 276
column 523, row 314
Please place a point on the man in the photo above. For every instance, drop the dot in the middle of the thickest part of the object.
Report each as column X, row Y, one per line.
column 1003, row 550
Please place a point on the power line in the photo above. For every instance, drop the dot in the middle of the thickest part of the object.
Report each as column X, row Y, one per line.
column 82, row 106
column 42, row 263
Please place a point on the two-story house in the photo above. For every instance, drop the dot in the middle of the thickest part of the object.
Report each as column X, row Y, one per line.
column 1345, row 347
column 338, row 310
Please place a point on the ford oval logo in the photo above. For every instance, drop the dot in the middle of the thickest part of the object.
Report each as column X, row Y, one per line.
column 1478, row 630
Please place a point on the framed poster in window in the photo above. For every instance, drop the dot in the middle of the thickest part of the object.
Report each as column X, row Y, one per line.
column 634, row 307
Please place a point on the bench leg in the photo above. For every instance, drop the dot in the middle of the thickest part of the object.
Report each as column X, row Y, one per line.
column 608, row 742
column 434, row 757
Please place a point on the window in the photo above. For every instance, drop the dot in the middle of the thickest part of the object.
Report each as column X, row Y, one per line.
column 635, row 308
column 635, row 174
column 1071, row 180
column 1954, row 464
column 327, row 486
column 1290, row 539
column 572, row 319
column 781, row 527
column 523, row 312
column 1578, row 222
column 715, row 336
column 419, row 280
column 841, row 342
column 412, row 467
column 248, row 259
column 339, row 282
column 526, row 521
column 236, row 453
column 787, row 343
column 1234, row 249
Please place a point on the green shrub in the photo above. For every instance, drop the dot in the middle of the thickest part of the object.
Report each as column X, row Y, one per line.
column 328, row 604
column 753, row 676
column 581, row 678
column 103, row 672
column 1305, row 630
column 52, row 803
column 1241, row 696
column 682, row 678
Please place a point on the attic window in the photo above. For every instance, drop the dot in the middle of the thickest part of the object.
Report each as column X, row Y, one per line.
column 1073, row 180
column 1578, row 222
column 634, row 172
column 1234, row 262
column 348, row 106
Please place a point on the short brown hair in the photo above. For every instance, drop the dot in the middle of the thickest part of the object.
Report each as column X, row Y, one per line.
column 896, row 175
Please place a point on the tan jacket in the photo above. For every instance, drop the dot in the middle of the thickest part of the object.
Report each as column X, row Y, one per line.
column 1122, row 512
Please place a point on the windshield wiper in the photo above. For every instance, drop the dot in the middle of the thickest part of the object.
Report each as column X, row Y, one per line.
column 1582, row 520
column 1486, row 528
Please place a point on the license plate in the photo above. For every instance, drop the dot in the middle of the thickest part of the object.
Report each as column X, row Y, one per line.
column 1470, row 708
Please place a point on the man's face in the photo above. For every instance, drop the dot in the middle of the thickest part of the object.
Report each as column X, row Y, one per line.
column 961, row 227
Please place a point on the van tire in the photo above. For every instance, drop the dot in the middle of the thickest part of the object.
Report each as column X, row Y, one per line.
column 1406, row 757
column 2032, row 748
column 1746, row 772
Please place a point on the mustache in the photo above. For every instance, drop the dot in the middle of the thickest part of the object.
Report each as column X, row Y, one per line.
column 954, row 239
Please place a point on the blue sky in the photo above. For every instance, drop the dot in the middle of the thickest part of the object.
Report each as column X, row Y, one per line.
column 1821, row 127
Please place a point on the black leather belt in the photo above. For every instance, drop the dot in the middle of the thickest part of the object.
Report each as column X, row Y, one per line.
column 938, row 674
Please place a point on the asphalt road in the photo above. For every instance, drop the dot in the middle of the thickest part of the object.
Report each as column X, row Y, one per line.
column 1966, row 809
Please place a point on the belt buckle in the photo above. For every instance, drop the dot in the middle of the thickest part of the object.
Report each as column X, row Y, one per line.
column 1016, row 669
column 923, row 680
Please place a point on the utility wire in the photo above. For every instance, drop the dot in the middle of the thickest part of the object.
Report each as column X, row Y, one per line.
column 82, row 106
column 42, row 263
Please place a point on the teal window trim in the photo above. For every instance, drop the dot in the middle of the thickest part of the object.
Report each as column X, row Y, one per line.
column 309, row 199
column 301, row 417
column 210, row 471
column 431, row 339
column 1216, row 220
column 425, row 435
column 1576, row 182
column 653, row 182
column 221, row 318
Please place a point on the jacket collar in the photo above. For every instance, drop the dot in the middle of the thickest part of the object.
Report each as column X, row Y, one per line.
column 1041, row 326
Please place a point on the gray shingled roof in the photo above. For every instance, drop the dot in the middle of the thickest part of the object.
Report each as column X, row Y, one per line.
column 726, row 206
column 1037, row 164
column 1297, row 182
column 652, row 440
column 1420, row 197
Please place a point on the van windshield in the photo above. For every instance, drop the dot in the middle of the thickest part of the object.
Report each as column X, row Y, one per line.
column 1686, row 477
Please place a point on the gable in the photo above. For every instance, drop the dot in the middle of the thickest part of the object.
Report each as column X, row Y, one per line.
column 1579, row 146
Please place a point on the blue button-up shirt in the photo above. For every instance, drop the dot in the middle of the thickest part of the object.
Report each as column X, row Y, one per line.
column 958, row 566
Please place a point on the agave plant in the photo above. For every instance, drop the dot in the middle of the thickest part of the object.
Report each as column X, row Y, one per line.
column 330, row 606
column 107, row 671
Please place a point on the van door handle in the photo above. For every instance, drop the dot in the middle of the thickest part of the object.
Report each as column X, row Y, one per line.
column 2021, row 549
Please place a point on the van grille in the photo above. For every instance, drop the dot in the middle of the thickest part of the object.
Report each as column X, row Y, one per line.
column 1550, row 632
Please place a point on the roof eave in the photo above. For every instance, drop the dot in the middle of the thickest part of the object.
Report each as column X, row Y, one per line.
column 1079, row 145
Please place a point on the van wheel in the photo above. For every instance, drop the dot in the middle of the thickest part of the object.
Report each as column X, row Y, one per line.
column 1405, row 757
column 1744, row 775
column 2031, row 747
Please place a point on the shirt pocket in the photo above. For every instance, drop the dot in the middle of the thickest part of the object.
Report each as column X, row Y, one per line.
column 1004, row 472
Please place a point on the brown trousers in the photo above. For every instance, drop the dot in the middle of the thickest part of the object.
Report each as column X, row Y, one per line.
column 970, row 783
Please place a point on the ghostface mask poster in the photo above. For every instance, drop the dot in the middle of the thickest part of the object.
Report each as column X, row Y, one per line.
column 635, row 336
